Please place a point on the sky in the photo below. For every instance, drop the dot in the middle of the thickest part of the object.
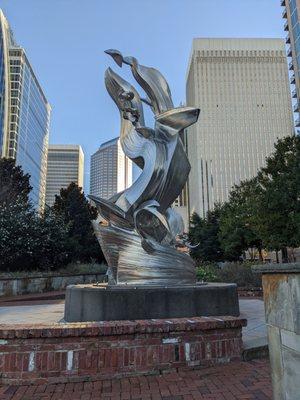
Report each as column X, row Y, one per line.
column 65, row 42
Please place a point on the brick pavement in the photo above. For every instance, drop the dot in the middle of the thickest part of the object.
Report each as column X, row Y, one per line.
column 235, row 381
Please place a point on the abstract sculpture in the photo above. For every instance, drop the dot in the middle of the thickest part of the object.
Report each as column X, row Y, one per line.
column 142, row 232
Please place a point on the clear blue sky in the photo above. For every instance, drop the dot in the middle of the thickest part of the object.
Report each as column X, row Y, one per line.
column 65, row 40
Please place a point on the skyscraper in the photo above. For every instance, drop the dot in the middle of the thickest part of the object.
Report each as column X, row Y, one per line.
column 291, row 13
column 242, row 89
column 65, row 165
column 111, row 170
column 24, row 113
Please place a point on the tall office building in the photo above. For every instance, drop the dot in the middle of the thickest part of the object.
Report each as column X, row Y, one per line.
column 111, row 170
column 291, row 13
column 24, row 114
column 242, row 88
column 65, row 165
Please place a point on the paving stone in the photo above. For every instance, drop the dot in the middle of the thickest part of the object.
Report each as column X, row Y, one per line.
column 235, row 381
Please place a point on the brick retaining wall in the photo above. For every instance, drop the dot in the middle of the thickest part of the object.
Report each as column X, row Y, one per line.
column 99, row 350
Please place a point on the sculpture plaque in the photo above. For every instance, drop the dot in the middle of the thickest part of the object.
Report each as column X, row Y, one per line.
column 141, row 236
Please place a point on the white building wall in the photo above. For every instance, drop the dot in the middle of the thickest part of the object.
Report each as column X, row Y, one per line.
column 242, row 89
column 111, row 170
column 65, row 165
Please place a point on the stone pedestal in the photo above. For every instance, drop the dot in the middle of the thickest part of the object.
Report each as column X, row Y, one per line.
column 125, row 302
column 281, row 286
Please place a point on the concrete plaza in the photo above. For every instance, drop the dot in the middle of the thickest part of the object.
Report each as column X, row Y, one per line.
column 45, row 311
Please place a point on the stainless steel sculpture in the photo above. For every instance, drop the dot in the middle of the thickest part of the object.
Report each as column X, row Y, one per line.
column 140, row 240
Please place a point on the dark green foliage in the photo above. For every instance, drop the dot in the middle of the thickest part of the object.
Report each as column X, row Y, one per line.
column 261, row 213
column 239, row 273
column 232, row 272
column 204, row 232
column 238, row 227
column 33, row 241
column 207, row 273
column 14, row 184
column 30, row 241
column 278, row 205
column 72, row 206
column 52, row 237
column 17, row 225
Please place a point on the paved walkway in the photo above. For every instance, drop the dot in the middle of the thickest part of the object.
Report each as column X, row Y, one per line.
column 255, row 333
column 236, row 381
column 33, row 313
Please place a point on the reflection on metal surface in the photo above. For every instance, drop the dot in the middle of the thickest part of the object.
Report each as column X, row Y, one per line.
column 139, row 241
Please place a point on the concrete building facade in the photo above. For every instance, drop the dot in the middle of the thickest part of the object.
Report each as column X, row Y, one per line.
column 65, row 165
column 24, row 114
column 111, row 170
column 242, row 88
column 291, row 13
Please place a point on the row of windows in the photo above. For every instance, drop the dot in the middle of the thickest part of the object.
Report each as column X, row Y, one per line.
column 239, row 53
column 15, row 62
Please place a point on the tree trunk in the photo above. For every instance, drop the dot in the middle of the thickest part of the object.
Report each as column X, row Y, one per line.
column 277, row 258
column 260, row 254
column 284, row 255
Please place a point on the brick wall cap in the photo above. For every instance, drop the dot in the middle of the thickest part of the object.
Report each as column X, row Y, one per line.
column 115, row 328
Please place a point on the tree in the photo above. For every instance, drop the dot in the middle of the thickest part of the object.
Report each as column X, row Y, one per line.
column 76, row 211
column 51, row 240
column 204, row 232
column 278, row 208
column 28, row 240
column 14, row 184
column 17, row 241
column 17, row 218
column 238, row 221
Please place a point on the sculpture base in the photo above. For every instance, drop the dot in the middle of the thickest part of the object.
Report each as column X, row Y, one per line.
column 123, row 302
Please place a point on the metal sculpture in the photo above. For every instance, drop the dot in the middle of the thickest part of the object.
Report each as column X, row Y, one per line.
column 141, row 237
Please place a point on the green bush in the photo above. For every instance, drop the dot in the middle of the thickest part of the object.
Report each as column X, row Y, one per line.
column 207, row 273
column 239, row 273
column 87, row 268
column 233, row 272
column 70, row 269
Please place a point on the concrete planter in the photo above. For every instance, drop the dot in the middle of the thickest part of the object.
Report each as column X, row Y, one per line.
column 44, row 283
column 281, row 287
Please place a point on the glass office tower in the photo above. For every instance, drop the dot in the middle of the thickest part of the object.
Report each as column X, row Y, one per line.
column 291, row 13
column 24, row 114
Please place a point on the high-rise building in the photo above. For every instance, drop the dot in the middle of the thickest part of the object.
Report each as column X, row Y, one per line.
column 24, row 114
column 242, row 88
column 111, row 170
column 291, row 13
column 65, row 165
